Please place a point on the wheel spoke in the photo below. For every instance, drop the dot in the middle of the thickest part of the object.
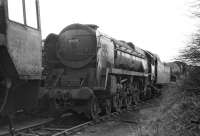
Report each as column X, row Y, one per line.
column 94, row 109
column 129, row 100
column 108, row 107
column 117, row 103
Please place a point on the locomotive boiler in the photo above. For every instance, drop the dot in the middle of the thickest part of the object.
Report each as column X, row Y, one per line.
column 89, row 72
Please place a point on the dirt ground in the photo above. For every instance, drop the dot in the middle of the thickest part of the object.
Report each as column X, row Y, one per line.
column 152, row 118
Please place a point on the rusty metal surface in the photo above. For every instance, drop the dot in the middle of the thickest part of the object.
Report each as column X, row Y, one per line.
column 24, row 47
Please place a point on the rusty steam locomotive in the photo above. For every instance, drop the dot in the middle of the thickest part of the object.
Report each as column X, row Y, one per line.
column 88, row 72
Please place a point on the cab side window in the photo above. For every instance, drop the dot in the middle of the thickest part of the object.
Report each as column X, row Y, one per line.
column 15, row 11
column 23, row 12
column 31, row 13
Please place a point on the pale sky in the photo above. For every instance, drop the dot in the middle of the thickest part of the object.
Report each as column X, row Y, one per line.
column 160, row 26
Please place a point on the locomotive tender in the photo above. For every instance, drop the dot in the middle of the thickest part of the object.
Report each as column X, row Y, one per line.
column 88, row 72
column 20, row 55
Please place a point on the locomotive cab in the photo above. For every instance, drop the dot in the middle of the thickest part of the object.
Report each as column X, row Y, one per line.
column 20, row 54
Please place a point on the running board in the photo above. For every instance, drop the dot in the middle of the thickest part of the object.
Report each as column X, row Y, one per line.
column 126, row 72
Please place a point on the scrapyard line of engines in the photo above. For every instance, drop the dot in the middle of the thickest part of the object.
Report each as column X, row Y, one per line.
column 84, row 70
column 89, row 72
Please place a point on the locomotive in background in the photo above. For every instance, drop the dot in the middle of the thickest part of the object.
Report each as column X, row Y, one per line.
column 88, row 72
column 178, row 69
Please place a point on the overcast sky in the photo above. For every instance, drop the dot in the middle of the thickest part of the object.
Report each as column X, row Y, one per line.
column 160, row 26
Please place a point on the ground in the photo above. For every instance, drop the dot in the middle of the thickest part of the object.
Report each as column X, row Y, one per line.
column 157, row 117
column 174, row 113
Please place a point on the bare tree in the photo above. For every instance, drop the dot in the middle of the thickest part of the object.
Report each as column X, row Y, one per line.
column 191, row 54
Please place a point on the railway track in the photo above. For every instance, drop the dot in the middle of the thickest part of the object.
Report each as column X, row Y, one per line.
column 50, row 127
column 4, row 131
column 66, row 125
column 83, row 125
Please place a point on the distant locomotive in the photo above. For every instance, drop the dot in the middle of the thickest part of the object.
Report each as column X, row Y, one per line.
column 178, row 69
column 20, row 55
column 89, row 72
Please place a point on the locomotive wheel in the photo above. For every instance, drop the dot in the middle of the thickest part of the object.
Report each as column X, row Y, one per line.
column 137, row 97
column 126, row 102
column 136, row 94
column 94, row 109
column 129, row 100
column 108, row 107
column 54, row 108
column 148, row 93
column 117, row 103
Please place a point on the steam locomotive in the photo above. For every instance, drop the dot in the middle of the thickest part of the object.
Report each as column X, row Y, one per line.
column 89, row 72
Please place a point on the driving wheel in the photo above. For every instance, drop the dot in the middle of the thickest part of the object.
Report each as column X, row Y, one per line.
column 94, row 109
column 108, row 107
column 117, row 103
